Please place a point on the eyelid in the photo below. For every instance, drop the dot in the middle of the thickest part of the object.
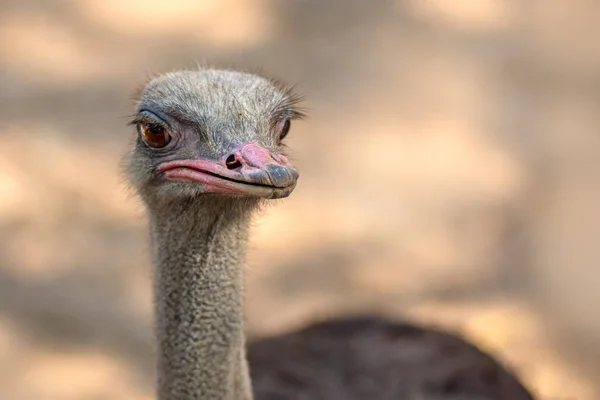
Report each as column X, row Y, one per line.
column 148, row 117
column 286, row 114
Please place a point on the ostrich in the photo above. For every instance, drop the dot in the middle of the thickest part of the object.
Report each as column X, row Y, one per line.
column 207, row 153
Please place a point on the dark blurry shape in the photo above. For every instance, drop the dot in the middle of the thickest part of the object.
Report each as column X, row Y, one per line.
column 366, row 357
column 199, row 233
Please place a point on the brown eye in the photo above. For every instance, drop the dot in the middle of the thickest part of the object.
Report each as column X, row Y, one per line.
column 154, row 135
column 286, row 129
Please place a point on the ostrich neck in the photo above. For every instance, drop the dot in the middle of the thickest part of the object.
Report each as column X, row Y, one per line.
column 198, row 294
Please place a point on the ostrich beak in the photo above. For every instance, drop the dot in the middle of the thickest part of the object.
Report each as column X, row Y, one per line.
column 249, row 170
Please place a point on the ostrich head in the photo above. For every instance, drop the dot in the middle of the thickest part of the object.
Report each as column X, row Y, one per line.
column 212, row 135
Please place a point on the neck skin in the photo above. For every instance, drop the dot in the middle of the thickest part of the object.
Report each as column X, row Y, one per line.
column 198, row 291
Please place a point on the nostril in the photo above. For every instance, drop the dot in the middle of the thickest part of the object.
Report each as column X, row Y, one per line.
column 232, row 163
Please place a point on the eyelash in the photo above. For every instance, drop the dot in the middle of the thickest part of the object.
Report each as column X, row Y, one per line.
column 148, row 118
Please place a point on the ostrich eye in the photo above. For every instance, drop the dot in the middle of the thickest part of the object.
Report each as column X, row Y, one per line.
column 154, row 135
column 285, row 129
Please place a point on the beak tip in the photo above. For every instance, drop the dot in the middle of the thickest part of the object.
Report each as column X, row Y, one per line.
column 281, row 176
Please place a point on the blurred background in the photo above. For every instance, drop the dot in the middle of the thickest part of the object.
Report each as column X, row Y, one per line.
column 449, row 174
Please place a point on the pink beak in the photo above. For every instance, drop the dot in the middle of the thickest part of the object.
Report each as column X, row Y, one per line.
column 249, row 170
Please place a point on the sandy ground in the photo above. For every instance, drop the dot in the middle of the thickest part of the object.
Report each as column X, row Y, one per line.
column 449, row 175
